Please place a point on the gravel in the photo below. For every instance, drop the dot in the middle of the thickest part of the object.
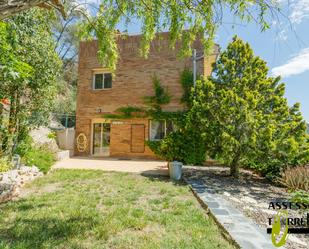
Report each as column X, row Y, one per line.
column 251, row 194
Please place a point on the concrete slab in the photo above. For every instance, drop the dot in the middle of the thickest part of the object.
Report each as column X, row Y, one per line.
column 147, row 167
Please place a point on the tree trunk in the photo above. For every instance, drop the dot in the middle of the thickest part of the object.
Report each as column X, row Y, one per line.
column 12, row 7
column 234, row 166
column 234, row 170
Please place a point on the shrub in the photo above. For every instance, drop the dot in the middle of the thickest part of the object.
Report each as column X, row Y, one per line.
column 296, row 178
column 5, row 164
column 32, row 154
column 180, row 146
column 300, row 197
column 41, row 157
column 52, row 135
column 24, row 146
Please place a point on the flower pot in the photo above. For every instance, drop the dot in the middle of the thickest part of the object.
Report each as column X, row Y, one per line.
column 175, row 170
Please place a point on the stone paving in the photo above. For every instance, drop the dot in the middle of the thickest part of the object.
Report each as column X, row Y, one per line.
column 242, row 230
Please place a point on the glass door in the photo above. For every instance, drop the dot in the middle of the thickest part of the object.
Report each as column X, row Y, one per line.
column 101, row 139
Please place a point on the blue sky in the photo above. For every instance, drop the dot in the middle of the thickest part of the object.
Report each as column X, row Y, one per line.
column 285, row 46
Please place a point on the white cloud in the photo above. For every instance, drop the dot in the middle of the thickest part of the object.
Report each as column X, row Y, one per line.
column 298, row 9
column 296, row 65
column 282, row 35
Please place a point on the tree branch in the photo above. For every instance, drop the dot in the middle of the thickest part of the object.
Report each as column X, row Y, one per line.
column 12, row 7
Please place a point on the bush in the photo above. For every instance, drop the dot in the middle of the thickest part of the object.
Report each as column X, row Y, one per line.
column 5, row 164
column 40, row 157
column 180, row 146
column 300, row 197
column 31, row 154
column 24, row 146
column 296, row 178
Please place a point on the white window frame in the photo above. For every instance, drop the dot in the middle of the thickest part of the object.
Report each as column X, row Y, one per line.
column 150, row 128
column 93, row 80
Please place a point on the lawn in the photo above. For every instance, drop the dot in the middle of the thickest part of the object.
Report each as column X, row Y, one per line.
column 96, row 209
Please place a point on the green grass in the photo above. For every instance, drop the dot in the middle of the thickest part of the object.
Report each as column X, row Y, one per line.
column 95, row 209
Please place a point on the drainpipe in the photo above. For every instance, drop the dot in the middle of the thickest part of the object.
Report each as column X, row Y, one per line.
column 195, row 59
column 194, row 69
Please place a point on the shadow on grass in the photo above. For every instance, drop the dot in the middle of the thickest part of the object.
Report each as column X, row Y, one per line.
column 163, row 178
column 43, row 232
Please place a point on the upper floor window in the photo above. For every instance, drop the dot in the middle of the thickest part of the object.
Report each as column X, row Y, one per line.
column 102, row 81
column 160, row 128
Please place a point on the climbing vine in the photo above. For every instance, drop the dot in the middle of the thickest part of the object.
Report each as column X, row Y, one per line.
column 127, row 112
column 186, row 81
column 161, row 96
column 183, row 144
column 153, row 107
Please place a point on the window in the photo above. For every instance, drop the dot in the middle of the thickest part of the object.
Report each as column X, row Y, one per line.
column 102, row 80
column 158, row 129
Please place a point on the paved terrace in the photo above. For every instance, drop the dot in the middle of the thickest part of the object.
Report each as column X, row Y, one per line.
column 151, row 167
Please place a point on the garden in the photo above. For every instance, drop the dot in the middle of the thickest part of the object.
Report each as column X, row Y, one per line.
column 238, row 117
column 96, row 209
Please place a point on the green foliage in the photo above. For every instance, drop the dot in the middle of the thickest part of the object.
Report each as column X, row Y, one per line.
column 153, row 108
column 24, row 146
column 300, row 196
column 52, row 135
column 66, row 33
column 160, row 97
column 187, row 84
column 30, row 67
column 40, row 157
column 180, row 146
column 185, row 21
column 244, row 117
column 32, row 154
column 296, row 178
column 65, row 102
column 127, row 112
column 5, row 164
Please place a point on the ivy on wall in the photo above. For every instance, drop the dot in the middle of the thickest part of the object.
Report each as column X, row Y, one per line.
column 153, row 108
column 183, row 145
column 161, row 96
column 127, row 112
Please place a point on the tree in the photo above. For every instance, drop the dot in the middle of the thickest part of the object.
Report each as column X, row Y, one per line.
column 12, row 70
column 66, row 34
column 244, row 117
column 31, row 95
column 186, row 20
column 10, row 7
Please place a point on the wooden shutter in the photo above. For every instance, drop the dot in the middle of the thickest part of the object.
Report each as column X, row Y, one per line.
column 137, row 138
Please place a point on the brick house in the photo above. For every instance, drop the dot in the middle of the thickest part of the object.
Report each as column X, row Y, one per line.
column 99, row 92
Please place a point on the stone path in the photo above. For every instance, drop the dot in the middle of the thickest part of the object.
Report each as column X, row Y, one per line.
column 242, row 230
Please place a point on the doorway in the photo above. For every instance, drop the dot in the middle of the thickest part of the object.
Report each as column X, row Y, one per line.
column 101, row 139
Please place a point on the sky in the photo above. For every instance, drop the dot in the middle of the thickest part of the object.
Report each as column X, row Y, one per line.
column 285, row 46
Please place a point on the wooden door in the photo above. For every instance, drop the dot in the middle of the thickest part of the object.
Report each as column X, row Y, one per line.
column 137, row 138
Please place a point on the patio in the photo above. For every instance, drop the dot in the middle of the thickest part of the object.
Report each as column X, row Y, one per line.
column 139, row 166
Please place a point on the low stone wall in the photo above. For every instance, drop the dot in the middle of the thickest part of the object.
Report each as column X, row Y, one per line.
column 11, row 181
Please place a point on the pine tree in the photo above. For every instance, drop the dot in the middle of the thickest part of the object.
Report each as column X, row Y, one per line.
column 244, row 117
